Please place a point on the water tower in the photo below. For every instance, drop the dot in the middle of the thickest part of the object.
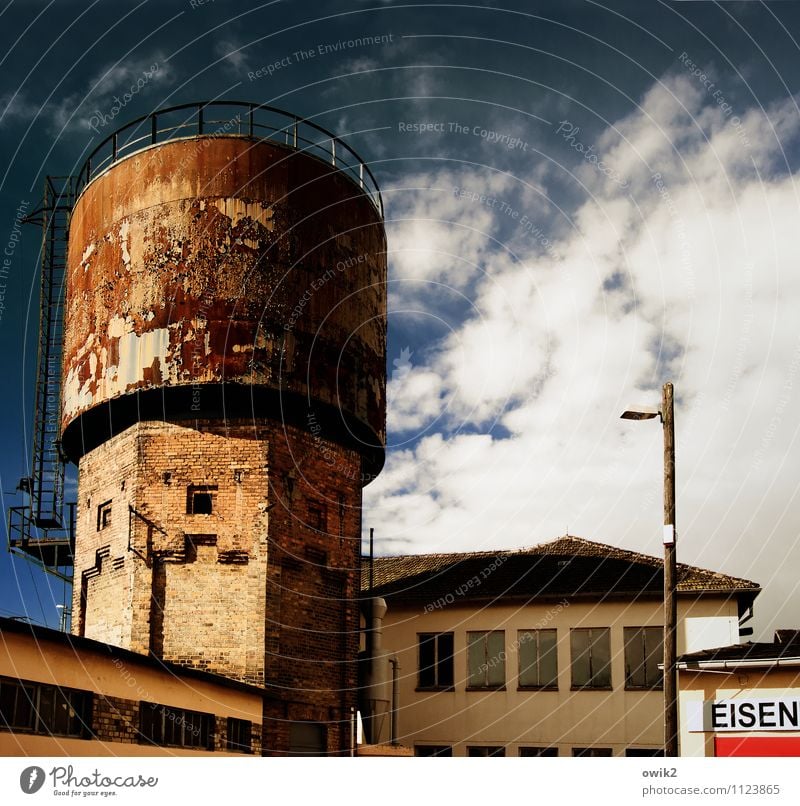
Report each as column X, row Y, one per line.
column 223, row 394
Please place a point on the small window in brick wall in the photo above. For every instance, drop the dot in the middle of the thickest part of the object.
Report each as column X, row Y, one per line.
column 200, row 499
column 240, row 735
column 47, row 710
column 103, row 515
column 166, row 726
column 317, row 518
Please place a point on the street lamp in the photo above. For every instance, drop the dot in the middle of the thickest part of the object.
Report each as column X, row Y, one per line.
column 666, row 413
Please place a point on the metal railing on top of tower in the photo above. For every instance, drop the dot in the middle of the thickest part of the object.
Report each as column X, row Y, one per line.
column 245, row 119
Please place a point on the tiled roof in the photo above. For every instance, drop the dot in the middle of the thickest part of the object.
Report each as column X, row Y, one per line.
column 566, row 566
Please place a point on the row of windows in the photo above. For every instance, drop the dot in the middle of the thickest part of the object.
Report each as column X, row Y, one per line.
column 442, row 751
column 199, row 501
column 590, row 650
column 51, row 710
column 28, row 707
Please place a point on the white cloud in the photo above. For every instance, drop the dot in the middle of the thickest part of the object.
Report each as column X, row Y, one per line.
column 703, row 264
column 233, row 55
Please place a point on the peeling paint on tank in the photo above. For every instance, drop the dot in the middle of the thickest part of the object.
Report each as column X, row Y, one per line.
column 135, row 353
column 76, row 397
column 182, row 289
column 124, row 232
column 87, row 253
column 117, row 327
column 238, row 211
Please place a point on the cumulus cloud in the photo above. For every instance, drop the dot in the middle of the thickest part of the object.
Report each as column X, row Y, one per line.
column 509, row 417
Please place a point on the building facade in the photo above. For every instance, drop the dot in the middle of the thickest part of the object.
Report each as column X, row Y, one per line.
column 61, row 695
column 552, row 650
column 741, row 700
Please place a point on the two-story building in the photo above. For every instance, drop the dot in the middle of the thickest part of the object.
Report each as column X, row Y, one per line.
column 551, row 650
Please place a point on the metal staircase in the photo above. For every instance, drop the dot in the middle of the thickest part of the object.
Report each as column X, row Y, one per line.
column 44, row 529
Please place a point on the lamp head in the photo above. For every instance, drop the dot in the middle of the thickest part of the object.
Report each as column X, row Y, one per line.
column 640, row 413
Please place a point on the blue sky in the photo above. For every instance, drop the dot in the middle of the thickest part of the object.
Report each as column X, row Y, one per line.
column 583, row 200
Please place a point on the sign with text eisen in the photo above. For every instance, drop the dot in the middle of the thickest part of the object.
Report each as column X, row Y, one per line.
column 725, row 716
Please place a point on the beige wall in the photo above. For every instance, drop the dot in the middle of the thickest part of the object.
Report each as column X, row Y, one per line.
column 20, row 744
column 617, row 719
column 696, row 687
column 50, row 662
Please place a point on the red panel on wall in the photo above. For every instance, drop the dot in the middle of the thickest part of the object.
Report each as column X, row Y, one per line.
column 770, row 746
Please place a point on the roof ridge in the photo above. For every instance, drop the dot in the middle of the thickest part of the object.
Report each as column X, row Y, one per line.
column 581, row 547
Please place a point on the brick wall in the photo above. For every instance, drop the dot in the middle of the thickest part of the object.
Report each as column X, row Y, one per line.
column 208, row 570
column 190, row 587
column 263, row 589
column 104, row 571
column 115, row 719
column 312, row 587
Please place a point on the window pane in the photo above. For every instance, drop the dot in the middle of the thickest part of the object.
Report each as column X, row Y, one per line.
column 601, row 657
column 634, row 657
column 444, row 667
column 427, row 661
column 25, row 714
column 46, row 709
column 151, row 720
column 654, row 654
column 530, row 752
column 528, row 659
column 239, row 735
column 591, row 751
column 80, row 713
column 538, row 658
column 8, row 698
column 429, row 750
column 61, row 720
column 476, row 658
column 496, row 658
column 481, row 751
column 171, row 733
column 579, row 645
column 548, row 658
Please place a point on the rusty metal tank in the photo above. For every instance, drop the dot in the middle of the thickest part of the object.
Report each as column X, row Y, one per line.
column 231, row 264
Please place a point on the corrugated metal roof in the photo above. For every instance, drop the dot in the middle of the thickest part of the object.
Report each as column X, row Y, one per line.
column 748, row 652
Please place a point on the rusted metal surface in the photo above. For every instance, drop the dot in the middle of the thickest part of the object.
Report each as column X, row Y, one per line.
column 225, row 260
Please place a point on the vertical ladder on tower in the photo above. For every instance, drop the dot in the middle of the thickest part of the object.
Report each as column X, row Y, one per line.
column 44, row 529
